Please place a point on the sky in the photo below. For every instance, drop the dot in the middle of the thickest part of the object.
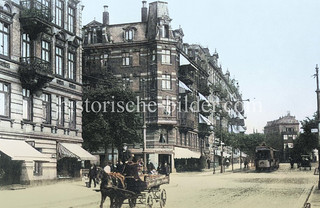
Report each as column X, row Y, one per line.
column 270, row 47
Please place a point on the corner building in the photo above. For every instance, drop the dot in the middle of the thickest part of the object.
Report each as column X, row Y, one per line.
column 150, row 58
column 40, row 91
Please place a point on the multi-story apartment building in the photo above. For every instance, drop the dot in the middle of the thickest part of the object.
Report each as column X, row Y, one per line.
column 286, row 128
column 150, row 58
column 40, row 90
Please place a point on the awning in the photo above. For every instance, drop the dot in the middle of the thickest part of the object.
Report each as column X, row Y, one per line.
column 203, row 119
column 218, row 153
column 74, row 150
column 185, row 153
column 184, row 87
column 20, row 150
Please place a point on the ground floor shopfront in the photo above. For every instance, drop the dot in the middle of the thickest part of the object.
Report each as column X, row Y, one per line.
column 36, row 161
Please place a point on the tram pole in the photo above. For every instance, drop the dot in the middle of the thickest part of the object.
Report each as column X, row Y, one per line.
column 318, row 118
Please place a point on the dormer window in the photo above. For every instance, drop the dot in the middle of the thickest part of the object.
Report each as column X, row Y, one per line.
column 129, row 34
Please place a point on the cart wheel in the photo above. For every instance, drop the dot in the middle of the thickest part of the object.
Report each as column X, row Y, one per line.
column 163, row 198
column 132, row 202
column 149, row 201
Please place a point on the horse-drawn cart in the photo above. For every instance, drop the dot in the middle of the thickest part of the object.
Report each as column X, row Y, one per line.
column 146, row 192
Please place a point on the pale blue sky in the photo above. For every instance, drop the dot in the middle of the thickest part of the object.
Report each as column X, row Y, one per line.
column 270, row 46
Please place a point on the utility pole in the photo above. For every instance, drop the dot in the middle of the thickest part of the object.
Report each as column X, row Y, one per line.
column 221, row 171
column 318, row 119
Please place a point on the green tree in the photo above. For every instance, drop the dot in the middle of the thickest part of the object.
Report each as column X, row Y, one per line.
column 105, row 124
column 306, row 141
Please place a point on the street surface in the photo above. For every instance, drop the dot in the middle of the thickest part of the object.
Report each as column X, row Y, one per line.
column 284, row 188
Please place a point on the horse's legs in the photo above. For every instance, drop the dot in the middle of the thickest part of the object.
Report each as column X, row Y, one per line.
column 103, row 198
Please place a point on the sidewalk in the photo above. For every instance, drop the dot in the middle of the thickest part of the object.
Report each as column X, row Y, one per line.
column 314, row 198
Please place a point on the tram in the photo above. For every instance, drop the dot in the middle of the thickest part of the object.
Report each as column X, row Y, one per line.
column 266, row 158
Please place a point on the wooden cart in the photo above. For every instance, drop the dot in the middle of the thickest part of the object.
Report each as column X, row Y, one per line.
column 151, row 194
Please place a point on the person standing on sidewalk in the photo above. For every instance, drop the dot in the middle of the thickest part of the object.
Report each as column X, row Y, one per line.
column 92, row 175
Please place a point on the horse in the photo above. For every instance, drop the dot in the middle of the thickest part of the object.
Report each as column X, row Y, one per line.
column 111, row 186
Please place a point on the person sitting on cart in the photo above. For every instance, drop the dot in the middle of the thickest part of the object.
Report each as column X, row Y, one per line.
column 132, row 179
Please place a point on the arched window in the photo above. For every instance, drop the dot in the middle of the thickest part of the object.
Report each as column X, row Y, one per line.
column 7, row 8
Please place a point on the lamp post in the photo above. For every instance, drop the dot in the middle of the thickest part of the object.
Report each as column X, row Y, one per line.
column 318, row 117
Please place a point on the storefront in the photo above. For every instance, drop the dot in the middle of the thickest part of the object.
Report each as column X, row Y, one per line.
column 70, row 160
column 19, row 162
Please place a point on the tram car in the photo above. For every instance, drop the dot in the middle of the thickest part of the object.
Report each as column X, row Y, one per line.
column 266, row 158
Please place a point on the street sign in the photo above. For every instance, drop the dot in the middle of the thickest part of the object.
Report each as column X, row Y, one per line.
column 314, row 130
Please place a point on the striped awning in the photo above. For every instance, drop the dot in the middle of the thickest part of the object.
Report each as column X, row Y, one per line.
column 75, row 151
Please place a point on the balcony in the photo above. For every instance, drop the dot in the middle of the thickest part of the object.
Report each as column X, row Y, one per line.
column 35, row 17
column 35, row 73
column 186, row 120
column 204, row 89
column 186, row 74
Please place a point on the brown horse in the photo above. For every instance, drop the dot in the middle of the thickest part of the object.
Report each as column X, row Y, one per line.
column 112, row 185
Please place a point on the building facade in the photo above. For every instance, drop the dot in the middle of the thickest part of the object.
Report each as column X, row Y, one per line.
column 287, row 129
column 150, row 58
column 40, row 91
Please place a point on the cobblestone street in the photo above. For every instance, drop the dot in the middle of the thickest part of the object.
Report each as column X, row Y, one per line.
column 283, row 188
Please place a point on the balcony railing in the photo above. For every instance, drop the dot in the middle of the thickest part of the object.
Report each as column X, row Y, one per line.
column 35, row 9
column 37, row 65
column 186, row 120
column 35, row 73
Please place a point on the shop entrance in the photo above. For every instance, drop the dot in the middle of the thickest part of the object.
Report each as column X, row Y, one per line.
column 68, row 167
column 10, row 170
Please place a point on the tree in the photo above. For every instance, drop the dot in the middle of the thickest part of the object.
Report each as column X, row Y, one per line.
column 107, row 122
column 306, row 141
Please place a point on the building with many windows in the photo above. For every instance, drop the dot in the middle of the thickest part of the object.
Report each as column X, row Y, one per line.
column 286, row 128
column 40, row 90
column 150, row 58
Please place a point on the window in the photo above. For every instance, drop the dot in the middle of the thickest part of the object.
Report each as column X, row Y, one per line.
column 45, row 51
column 71, row 66
column 129, row 35
column 46, row 108
column 165, row 31
column 4, row 39
column 71, row 18
column 166, row 57
column 104, row 60
column 37, row 168
column 154, row 56
column 25, row 46
column 59, row 61
column 162, row 139
column 125, row 82
column 72, row 114
column 125, row 59
column 167, row 107
column 166, row 81
column 59, row 13
column 26, row 105
column 60, row 111
column 4, row 99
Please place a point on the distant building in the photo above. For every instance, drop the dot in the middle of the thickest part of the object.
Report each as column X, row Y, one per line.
column 287, row 128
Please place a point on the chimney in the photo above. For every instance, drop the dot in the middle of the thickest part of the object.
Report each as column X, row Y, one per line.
column 144, row 12
column 105, row 19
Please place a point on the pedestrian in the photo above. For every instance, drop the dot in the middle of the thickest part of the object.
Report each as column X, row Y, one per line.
column 291, row 162
column 92, row 175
